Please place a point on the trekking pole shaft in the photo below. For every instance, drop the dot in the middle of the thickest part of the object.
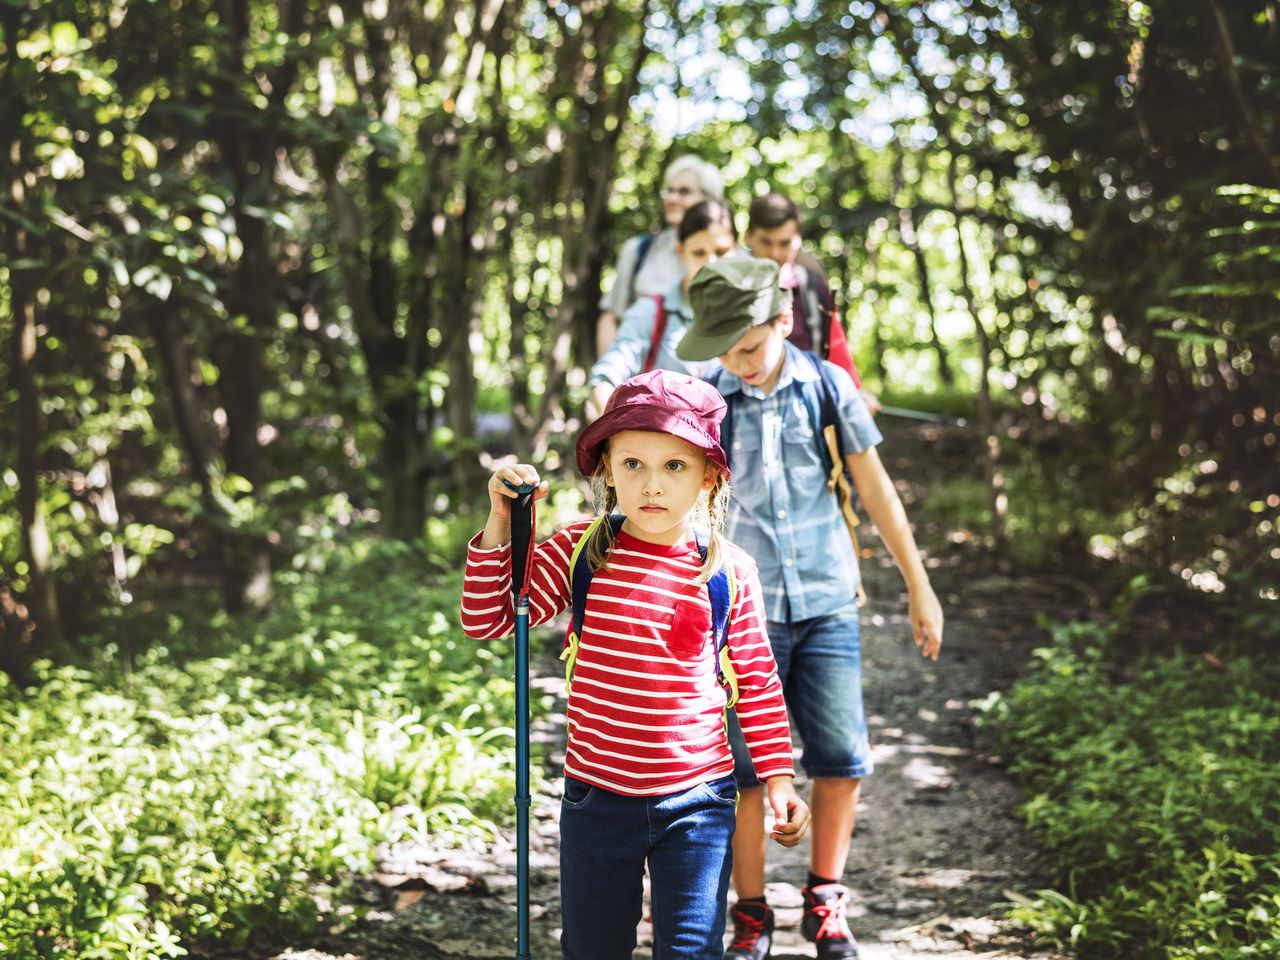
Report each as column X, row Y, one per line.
column 522, row 782
column 922, row 415
column 521, row 535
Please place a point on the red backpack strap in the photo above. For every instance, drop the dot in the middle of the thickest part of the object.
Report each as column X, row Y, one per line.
column 659, row 328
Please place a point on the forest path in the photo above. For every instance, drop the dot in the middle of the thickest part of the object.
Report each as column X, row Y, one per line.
column 938, row 845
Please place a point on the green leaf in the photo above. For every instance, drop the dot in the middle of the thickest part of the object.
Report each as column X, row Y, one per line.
column 1189, row 336
column 64, row 38
column 212, row 203
column 148, row 156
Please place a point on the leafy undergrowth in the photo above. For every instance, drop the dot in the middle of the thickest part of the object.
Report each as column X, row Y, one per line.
column 1154, row 788
column 244, row 766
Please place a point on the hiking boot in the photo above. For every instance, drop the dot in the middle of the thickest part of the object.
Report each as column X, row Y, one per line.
column 824, row 922
column 752, row 931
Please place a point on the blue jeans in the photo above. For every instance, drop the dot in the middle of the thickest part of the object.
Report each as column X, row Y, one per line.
column 820, row 666
column 605, row 841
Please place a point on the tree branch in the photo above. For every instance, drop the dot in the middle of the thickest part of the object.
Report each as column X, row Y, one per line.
column 1223, row 29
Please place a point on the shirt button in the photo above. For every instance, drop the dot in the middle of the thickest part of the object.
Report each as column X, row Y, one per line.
column 787, row 563
column 737, row 445
column 782, row 514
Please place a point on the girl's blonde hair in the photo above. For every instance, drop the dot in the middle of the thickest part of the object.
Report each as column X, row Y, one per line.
column 715, row 505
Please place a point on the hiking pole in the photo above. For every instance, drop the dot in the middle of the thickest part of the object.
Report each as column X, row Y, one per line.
column 521, row 553
column 923, row 415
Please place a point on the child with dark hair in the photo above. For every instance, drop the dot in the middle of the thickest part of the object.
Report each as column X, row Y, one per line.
column 774, row 231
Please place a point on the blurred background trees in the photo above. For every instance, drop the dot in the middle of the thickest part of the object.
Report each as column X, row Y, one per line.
column 275, row 269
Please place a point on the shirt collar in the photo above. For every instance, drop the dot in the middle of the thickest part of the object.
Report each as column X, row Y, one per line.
column 794, row 367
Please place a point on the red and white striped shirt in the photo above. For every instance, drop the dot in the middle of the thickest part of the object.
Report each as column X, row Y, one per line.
column 646, row 712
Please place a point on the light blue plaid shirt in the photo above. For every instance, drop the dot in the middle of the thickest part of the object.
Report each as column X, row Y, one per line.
column 781, row 512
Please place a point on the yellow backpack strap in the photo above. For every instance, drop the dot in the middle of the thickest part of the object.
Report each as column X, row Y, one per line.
column 838, row 482
column 727, row 674
column 579, row 583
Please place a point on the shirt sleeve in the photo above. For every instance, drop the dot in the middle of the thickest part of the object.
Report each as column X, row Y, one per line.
column 488, row 612
column 761, row 710
column 625, row 356
column 617, row 298
column 857, row 427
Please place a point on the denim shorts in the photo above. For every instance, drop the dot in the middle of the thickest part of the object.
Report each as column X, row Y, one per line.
column 820, row 665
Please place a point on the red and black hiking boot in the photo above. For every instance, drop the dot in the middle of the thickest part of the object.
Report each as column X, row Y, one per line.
column 752, row 931
column 824, row 922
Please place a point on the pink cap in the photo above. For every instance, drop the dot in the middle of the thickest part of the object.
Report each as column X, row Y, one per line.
column 663, row 402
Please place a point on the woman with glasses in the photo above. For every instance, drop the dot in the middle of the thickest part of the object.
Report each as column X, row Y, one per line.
column 649, row 264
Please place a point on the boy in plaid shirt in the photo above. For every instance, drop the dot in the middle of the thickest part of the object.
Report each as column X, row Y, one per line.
column 784, row 515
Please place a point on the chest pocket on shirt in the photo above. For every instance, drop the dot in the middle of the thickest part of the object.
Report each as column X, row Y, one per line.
column 800, row 444
column 690, row 629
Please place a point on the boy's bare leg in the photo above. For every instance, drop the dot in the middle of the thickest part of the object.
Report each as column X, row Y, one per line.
column 749, row 845
column 834, row 805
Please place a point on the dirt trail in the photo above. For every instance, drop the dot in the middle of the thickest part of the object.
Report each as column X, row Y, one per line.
column 937, row 847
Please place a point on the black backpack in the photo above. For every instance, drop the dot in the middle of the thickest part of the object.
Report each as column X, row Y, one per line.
column 642, row 251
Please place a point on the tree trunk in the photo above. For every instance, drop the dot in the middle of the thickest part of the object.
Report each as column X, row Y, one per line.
column 178, row 368
column 36, row 547
column 1248, row 121
column 404, row 472
column 37, row 550
column 584, row 182
column 997, row 499
column 250, row 155
column 907, row 230
column 872, row 248
column 17, row 633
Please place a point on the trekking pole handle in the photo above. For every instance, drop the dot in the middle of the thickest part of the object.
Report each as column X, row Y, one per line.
column 521, row 531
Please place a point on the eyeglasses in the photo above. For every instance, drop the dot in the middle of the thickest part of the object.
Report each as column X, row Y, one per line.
column 681, row 191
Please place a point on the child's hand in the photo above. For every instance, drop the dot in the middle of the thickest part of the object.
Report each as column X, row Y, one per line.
column 790, row 813
column 500, row 495
column 498, row 529
column 926, row 620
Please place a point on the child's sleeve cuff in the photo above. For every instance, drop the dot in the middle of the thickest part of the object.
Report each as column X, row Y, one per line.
column 473, row 547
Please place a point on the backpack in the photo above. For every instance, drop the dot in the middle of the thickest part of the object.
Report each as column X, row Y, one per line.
column 721, row 587
column 814, row 315
column 642, row 251
column 830, row 445
column 826, row 333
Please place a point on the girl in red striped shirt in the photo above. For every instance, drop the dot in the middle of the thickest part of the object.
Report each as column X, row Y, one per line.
column 648, row 769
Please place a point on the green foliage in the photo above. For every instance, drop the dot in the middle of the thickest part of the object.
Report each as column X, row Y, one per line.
column 272, row 262
column 242, row 767
column 1154, row 791
column 1050, row 516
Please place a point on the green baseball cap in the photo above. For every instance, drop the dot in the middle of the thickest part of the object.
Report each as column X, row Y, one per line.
column 728, row 298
